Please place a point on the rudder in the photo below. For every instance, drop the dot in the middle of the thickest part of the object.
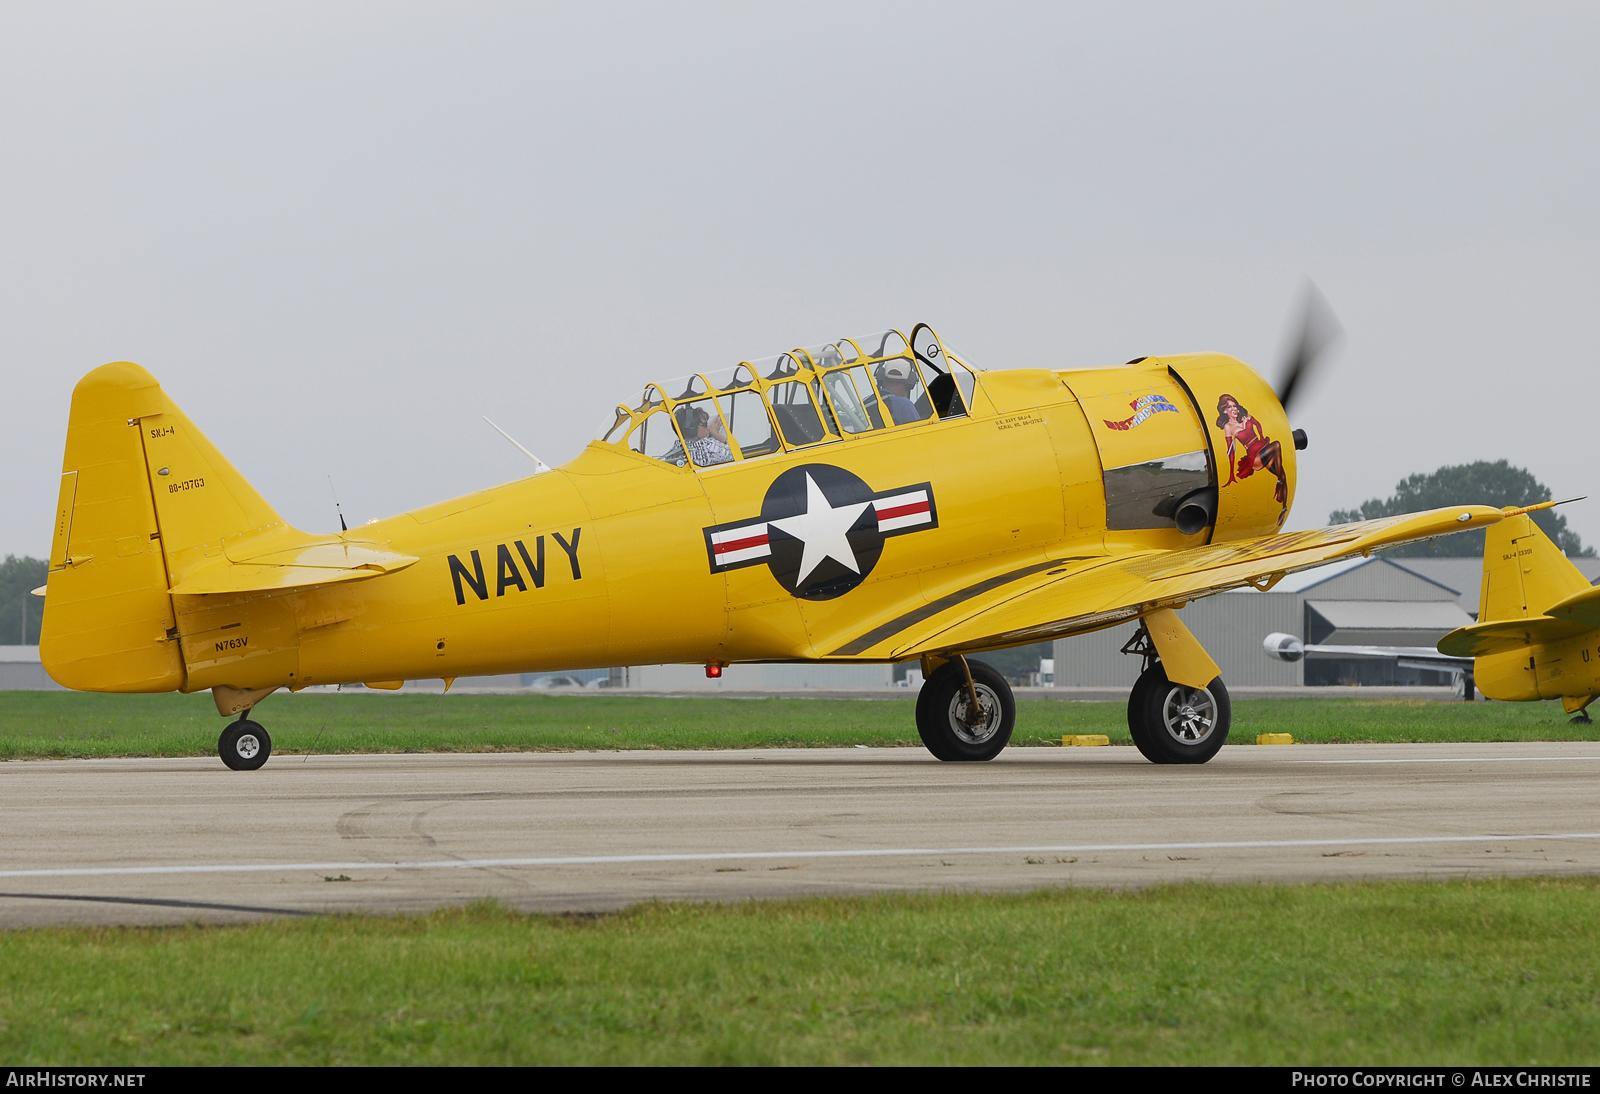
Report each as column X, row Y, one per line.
column 1523, row 572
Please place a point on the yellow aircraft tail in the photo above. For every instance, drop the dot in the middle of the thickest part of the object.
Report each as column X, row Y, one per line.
column 145, row 498
column 1533, row 598
column 1524, row 573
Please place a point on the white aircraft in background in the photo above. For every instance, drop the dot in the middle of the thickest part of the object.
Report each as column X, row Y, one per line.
column 1286, row 647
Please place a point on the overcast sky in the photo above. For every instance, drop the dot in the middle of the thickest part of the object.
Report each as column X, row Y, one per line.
column 340, row 233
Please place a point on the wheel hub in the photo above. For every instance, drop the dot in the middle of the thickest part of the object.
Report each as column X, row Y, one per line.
column 975, row 727
column 247, row 746
column 1189, row 714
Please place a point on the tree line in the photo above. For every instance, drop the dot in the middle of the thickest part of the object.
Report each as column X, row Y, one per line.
column 1481, row 483
column 21, row 613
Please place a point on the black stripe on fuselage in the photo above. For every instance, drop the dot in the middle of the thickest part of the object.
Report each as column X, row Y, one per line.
column 916, row 615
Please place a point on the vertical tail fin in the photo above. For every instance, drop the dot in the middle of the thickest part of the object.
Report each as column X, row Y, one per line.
column 144, row 497
column 201, row 501
column 1523, row 572
column 108, row 621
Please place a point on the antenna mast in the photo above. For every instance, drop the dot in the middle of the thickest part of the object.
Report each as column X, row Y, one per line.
column 343, row 528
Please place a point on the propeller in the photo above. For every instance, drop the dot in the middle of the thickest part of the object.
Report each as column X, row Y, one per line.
column 1319, row 329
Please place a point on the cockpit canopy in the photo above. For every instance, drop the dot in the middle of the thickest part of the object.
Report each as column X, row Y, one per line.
column 810, row 395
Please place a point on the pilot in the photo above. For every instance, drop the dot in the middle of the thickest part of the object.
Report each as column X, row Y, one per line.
column 704, row 437
column 894, row 380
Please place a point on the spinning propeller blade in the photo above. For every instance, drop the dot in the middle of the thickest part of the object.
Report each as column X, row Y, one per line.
column 1319, row 329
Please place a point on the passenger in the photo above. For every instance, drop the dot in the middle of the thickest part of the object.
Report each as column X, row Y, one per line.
column 704, row 437
column 894, row 380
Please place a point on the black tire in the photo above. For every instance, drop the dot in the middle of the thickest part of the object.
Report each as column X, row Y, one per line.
column 244, row 745
column 1135, row 721
column 1174, row 724
column 943, row 702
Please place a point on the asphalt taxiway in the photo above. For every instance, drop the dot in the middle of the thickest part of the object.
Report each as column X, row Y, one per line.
column 164, row 841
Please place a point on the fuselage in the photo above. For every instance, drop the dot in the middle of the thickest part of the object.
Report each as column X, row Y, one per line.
column 1544, row 670
column 610, row 558
column 831, row 515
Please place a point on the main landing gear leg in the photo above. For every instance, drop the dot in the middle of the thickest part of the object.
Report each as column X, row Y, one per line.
column 965, row 711
column 244, row 745
column 1171, row 723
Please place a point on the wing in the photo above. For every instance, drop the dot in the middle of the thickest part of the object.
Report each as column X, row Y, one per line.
column 1405, row 653
column 1065, row 596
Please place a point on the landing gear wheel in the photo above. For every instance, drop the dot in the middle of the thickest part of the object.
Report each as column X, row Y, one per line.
column 244, row 745
column 1135, row 716
column 949, row 726
column 1174, row 724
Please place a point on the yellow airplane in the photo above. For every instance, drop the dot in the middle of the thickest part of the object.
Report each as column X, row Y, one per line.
column 871, row 500
column 1538, row 629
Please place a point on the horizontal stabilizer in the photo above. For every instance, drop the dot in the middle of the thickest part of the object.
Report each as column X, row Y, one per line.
column 276, row 566
column 1581, row 607
column 1505, row 635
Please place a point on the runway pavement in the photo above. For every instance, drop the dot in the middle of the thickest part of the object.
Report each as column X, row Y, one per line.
column 164, row 841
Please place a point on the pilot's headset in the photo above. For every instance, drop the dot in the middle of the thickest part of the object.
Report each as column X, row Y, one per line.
column 898, row 369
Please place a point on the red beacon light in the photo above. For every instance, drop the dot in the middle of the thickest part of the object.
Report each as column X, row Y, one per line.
column 713, row 671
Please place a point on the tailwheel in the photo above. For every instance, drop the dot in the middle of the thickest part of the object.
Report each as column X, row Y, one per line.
column 244, row 745
column 954, row 727
column 1174, row 724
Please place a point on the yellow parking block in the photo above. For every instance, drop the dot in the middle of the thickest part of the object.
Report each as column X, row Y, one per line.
column 1274, row 738
column 1085, row 740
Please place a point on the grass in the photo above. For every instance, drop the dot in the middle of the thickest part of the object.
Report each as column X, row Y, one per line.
column 37, row 725
column 1491, row 973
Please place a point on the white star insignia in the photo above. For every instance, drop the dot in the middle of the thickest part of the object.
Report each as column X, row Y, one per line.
column 823, row 529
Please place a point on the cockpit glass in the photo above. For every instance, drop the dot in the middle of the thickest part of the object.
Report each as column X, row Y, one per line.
column 963, row 358
column 686, row 387
column 729, row 379
column 797, row 414
column 886, row 344
column 903, row 393
column 747, row 420
column 777, row 368
column 849, row 392
column 806, row 396
column 964, row 378
column 941, row 389
column 619, row 425
column 650, row 398
column 704, row 437
column 655, row 437
column 817, row 354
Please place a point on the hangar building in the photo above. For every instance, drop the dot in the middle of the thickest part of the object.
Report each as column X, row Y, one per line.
column 21, row 670
column 1377, row 601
